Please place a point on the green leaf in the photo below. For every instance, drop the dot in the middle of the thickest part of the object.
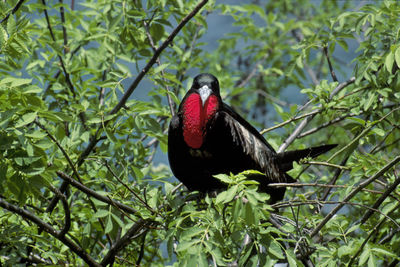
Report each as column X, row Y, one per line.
column 109, row 225
column 101, row 213
column 389, row 60
column 364, row 257
column 26, row 119
column 291, row 258
column 397, row 56
column 227, row 196
column 223, row 178
column 275, row 249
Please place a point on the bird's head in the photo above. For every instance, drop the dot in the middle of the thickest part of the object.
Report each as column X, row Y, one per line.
column 205, row 84
column 198, row 107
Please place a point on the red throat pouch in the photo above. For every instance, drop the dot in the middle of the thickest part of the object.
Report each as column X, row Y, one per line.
column 195, row 118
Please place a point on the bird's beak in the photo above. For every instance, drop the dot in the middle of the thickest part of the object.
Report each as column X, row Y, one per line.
column 205, row 92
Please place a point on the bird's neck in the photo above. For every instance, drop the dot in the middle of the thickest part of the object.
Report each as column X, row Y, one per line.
column 195, row 118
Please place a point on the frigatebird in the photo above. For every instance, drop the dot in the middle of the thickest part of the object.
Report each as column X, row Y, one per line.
column 207, row 137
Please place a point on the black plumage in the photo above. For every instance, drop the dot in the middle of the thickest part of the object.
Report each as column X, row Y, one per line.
column 207, row 137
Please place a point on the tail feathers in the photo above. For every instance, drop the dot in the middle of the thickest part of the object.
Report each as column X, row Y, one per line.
column 286, row 159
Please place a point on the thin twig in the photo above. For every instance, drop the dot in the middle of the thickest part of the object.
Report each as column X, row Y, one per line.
column 15, row 9
column 67, row 77
column 303, row 124
column 279, row 125
column 317, row 202
column 243, row 82
column 94, row 194
column 330, row 64
column 153, row 46
column 117, row 246
column 353, row 193
column 67, row 212
column 326, row 164
column 70, row 163
column 49, row 229
column 376, row 228
column 334, row 179
column 127, row 187
column 156, row 54
column 318, row 185
column 376, row 205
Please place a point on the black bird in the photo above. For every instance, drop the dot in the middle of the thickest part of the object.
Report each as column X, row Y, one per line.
column 207, row 137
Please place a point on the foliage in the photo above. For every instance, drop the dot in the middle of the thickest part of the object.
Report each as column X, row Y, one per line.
column 86, row 92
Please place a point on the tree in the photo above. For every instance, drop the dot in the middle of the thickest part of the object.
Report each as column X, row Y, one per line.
column 79, row 183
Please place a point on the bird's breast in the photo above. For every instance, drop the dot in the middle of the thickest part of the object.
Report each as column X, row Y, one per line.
column 195, row 118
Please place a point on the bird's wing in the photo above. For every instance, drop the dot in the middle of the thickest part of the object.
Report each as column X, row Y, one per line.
column 249, row 145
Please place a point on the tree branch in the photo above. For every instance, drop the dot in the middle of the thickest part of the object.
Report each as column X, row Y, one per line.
column 67, row 77
column 142, row 73
column 117, row 246
column 303, row 124
column 330, row 64
column 157, row 53
column 94, row 194
column 376, row 205
column 49, row 229
column 15, row 9
column 153, row 46
column 353, row 193
column 67, row 220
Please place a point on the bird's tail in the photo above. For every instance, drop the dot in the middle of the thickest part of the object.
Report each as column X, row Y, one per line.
column 287, row 158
